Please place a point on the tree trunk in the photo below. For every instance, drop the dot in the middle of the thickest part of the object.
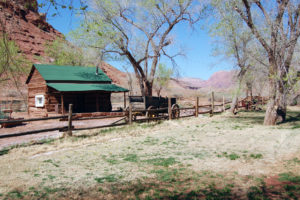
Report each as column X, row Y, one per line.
column 234, row 104
column 271, row 113
column 282, row 105
column 249, row 90
column 148, row 88
column 142, row 88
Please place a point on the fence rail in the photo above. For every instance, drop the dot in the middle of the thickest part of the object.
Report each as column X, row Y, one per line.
column 32, row 119
column 128, row 116
column 62, row 128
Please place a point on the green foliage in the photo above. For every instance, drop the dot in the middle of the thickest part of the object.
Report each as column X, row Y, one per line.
column 12, row 62
column 64, row 53
column 162, row 77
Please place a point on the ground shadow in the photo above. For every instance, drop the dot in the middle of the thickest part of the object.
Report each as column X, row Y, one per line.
column 291, row 117
column 257, row 117
column 250, row 117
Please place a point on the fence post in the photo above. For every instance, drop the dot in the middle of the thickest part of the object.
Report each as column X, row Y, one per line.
column 197, row 107
column 169, row 108
column 69, row 133
column 223, row 103
column 124, row 100
column 212, row 103
column 130, row 113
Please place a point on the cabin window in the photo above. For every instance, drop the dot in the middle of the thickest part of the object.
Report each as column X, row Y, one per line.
column 39, row 101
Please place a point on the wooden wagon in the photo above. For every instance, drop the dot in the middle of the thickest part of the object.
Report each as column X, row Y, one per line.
column 5, row 115
column 151, row 106
column 253, row 103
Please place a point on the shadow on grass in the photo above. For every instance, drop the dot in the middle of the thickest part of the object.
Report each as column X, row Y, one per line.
column 249, row 117
column 257, row 117
column 291, row 117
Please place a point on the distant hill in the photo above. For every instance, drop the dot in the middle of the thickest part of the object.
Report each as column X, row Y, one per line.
column 219, row 80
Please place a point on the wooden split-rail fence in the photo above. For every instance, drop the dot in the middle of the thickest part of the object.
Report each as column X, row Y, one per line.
column 127, row 117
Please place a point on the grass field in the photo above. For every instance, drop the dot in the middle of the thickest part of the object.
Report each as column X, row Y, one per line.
column 219, row 157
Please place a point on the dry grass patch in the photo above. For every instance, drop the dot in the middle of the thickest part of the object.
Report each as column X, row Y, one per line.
column 179, row 159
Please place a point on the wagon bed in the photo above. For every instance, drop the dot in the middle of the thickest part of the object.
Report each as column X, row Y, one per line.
column 150, row 103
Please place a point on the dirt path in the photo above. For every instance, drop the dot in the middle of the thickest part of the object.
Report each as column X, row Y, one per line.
column 38, row 125
column 5, row 142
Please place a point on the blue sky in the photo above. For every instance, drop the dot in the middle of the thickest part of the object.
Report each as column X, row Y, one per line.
column 198, row 62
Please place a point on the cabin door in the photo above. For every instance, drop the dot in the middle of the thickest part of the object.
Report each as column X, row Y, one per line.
column 80, row 103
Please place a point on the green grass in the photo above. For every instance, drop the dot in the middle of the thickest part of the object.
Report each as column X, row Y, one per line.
column 150, row 141
column 256, row 156
column 290, row 177
column 131, row 158
column 165, row 162
column 231, row 156
column 166, row 175
column 295, row 160
column 51, row 177
column 109, row 178
column 111, row 160
column 296, row 126
column 235, row 156
column 15, row 194
column 289, row 189
column 52, row 162
column 4, row 151
column 256, row 193
column 109, row 130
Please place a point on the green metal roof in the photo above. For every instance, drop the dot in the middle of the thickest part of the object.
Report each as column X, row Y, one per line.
column 71, row 73
column 74, row 87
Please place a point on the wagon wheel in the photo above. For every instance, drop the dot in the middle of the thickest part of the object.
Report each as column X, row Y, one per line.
column 150, row 113
column 134, row 116
column 127, row 115
column 175, row 111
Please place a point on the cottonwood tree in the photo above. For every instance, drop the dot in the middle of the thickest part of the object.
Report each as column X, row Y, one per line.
column 139, row 31
column 162, row 78
column 233, row 41
column 276, row 26
column 64, row 53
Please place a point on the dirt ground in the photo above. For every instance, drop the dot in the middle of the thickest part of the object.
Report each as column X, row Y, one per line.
column 38, row 125
column 222, row 156
column 5, row 142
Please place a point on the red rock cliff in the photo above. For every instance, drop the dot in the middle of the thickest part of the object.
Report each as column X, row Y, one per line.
column 23, row 24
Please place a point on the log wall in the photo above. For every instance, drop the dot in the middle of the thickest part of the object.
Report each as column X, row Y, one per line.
column 36, row 86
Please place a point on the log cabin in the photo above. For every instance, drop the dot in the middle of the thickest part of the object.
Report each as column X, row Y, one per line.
column 51, row 88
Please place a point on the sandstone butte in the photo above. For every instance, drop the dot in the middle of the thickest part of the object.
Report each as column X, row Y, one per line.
column 28, row 28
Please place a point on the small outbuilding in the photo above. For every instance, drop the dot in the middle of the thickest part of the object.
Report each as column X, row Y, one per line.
column 51, row 88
